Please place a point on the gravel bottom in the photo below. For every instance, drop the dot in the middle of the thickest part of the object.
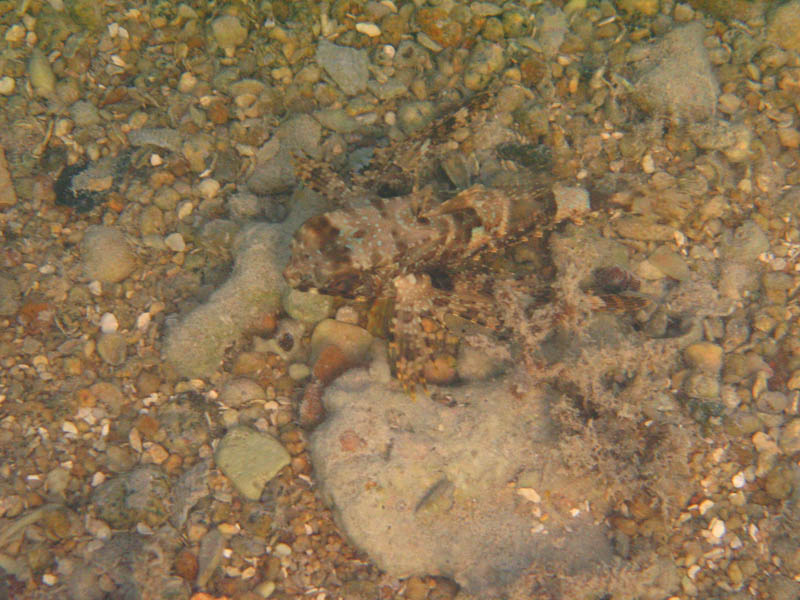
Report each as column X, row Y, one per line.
column 137, row 142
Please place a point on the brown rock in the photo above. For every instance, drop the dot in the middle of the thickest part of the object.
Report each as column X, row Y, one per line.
column 311, row 412
column 186, row 565
column 331, row 363
column 218, row 112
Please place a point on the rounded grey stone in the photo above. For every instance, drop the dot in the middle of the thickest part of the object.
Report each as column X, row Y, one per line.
column 107, row 256
column 250, row 459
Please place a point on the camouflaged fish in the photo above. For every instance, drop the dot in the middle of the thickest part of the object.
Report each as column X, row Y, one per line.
column 384, row 248
column 424, row 249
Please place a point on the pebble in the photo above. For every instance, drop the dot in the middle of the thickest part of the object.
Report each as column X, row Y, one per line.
column 106, row 254
column 337, row 119
column 352, row 340
column 112, row 348
column 8, row 195
column 187, row 82
column 240, row 392
column 368, row 29
column 485, row 60
column 301, row 133
column 7, row 85
column 733, row 139
column 413, row 116
column 700, row 385
column 388, row 90
column 551, row 28
column 84, row 114
column 572, row 202
column 265, row 589
column 42, row 78
column 228, row 32
column 108, row 323
column 209, row 556
column 704, row 356
column 789, row 137
column 250, row 459
column 244, row 205
column 299, row 371
column 674, row 75
column 151, row 220
column 670, row 263
column 197, row 150
column 347, row 67
column 174, row 241
column 308, row 307
column 160, row 137
column 779, row 483
column 208, row 188
column 15, row 34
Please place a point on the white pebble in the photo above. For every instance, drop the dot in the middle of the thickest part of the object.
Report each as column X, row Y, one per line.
column 174, row 242
column 98, row 478
column 156, row 160
column 248, row 573
column 738, row 480
column 389, row 50
column 143, row 321
column 717, row 528
column 144, row 529
column 705, row 506
column 368, row 29
column 282, row 550
column 108, row 323
column 208, row 188
column 49, row 579
column 184, row 210
column 69, row 428
column 530, row 494
column 648, row 165
column 95, row 288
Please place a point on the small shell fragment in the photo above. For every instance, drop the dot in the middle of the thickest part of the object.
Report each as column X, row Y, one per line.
column 530, row 494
